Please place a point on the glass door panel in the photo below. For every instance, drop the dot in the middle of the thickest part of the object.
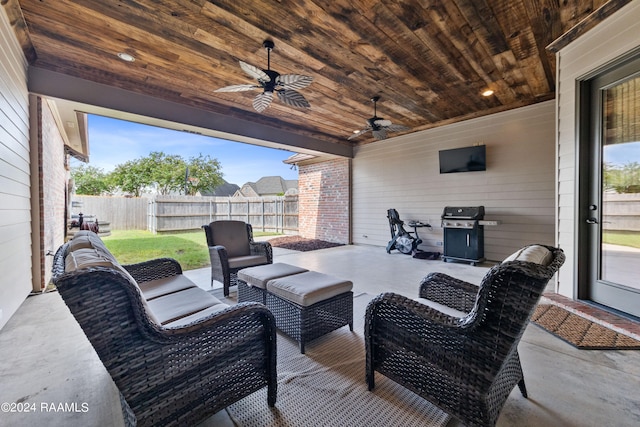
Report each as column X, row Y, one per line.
column 614, row 220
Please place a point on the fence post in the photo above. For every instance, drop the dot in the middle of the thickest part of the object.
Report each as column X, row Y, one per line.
column 152, row 215
column 229, row 209
column 248, row 208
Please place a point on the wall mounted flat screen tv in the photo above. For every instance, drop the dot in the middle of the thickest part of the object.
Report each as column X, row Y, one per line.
column 465, row 159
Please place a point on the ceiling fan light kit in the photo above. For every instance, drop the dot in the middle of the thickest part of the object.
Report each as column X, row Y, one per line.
column 270, row 81
column 378, row 126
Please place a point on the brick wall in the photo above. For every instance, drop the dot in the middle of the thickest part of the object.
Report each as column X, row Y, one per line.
column 324, row 200
column 53, row 183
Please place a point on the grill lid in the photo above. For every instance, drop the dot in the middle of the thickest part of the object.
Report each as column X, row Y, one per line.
column 455, row 212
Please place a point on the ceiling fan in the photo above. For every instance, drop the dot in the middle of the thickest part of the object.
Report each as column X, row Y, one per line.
column 377, row 125
column 272, row 81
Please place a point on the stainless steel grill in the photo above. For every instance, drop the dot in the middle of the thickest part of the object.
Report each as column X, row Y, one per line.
column 468, row 217
column 463, row 234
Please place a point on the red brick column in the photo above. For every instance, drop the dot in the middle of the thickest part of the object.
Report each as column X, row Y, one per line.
column 324, row 201
column 53, row 179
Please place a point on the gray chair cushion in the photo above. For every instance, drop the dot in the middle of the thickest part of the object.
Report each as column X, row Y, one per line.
column 187, row 320
column 247, row 261
column 441, row 307
column 165, row 286
column 178, row 305
column 233, row 236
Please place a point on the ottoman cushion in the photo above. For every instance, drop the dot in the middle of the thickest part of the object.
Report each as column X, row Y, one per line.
column 308, row 288
column 260, row 275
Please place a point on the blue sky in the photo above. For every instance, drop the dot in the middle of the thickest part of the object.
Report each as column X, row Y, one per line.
column 113, row 142
column 621, row 154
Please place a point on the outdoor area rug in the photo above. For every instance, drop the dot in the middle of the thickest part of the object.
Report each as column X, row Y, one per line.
column 580, row 332
column 326, row 387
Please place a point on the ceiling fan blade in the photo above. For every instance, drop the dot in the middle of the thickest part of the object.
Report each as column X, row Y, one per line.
column 237, row 88
column 262, row 101
column 380, row 134
column 396, row 128
column 254, row 72
column 360, row 132
column 294, row 81
column 382, row 122
column 293, row 98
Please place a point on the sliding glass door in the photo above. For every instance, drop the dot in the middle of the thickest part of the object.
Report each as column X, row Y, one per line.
column 612, row 207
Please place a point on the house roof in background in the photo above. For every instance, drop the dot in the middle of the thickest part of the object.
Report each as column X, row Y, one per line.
column 268, row 185
column 224, row 190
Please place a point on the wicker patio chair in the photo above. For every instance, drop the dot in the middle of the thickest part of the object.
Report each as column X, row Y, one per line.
column 231, row 248
column 465, row 362
column 169, row 376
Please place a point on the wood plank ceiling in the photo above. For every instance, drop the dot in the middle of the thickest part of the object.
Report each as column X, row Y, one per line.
column 429, row 60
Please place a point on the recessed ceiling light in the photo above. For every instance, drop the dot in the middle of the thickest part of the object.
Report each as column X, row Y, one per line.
column 356, row 131
column 487, row 92
column 126, row 57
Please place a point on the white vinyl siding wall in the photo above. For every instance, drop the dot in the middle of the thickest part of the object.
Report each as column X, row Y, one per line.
column 517, row 189
column 15, row 205
column 612, row 38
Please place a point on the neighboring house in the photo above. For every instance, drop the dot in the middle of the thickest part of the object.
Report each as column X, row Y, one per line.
column 224, row 190
column 268, row 186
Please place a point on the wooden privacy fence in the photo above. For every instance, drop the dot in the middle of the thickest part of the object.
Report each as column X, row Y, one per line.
column 174, row 213
column 621, row 212
column 122, row 213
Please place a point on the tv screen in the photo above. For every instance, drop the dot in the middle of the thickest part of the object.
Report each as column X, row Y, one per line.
column 466, row 159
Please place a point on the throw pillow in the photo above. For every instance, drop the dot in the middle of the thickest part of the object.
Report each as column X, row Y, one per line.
column 535, row 253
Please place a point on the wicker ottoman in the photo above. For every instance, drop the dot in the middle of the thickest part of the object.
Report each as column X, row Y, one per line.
column 309, row 305
column 252, row 281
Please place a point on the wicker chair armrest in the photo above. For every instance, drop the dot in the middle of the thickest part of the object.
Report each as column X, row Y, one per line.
column 404, row 312
column 400, row 322
column 449, row 291
column 219, row 256
column 154, row 269
column 262, row 248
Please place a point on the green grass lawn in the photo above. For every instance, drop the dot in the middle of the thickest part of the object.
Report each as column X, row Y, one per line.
column 188, row 248
column 622, row 238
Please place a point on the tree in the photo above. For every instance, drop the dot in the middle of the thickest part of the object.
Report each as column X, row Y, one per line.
column 622, row 178
column 167, row 173
column 204, row 174
column 90, row 180
column 131, row 177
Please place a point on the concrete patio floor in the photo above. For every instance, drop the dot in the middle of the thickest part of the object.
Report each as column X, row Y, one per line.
column 46, row 360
